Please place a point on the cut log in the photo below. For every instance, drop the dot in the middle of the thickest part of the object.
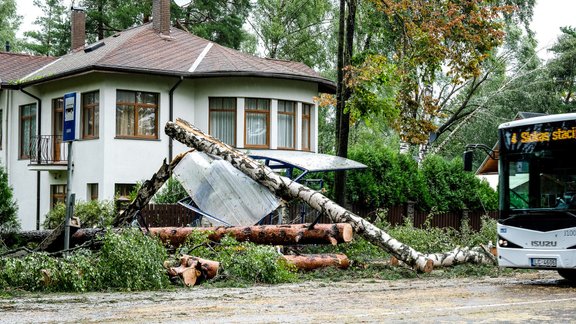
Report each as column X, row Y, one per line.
column 147, row 191
column 263, row 234
column 192, row 270
column 287, row 189
column 315, row 261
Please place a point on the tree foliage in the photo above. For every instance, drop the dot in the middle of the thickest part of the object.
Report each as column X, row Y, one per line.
column 393, row 178
column 8, row 207
column 106, row 17
column 432, row 38
column 9, row 22
column 294, row 30
column 93, row 213
column 562, row 67
column 170, row 193
column 220, row 21
column 53, row 36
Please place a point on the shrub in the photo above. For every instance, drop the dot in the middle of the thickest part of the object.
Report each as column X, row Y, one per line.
column 8, row 207
column 451, row 188
column 92, row 213
column 127, row 261
column 390, row 179
column 131, row 261
column 243, row 262
column 170, row 193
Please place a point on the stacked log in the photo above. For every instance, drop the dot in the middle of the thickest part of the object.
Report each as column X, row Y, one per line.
column 263, row 234
column 192, row 270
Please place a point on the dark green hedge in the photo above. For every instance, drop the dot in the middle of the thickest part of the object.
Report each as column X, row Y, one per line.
column 393, row 179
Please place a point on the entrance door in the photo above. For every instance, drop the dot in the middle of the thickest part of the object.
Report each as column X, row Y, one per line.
column 58, row 129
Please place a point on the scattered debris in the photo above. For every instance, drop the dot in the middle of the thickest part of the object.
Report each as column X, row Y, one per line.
column 287, row 189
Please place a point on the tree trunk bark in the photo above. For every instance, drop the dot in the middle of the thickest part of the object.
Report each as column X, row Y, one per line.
column 147, row 191
column 264, row 234
column 315, row 261
column 287, row 189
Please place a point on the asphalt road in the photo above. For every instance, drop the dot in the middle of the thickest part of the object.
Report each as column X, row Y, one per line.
column 528, row 297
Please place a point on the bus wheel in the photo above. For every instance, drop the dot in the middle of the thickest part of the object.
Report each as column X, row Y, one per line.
column 568, row 274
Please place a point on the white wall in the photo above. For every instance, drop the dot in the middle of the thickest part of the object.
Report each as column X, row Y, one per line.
column 108, row 160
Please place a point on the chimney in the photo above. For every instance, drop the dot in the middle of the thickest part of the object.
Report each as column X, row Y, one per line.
column 161, row 16
column 78, row 21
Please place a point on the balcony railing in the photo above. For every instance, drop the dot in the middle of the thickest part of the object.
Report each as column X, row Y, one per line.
column 48, row 149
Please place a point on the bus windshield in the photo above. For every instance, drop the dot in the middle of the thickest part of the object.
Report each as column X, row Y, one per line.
column 541, row 179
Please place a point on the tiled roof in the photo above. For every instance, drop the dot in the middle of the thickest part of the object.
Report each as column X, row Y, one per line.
column 141, row 49
column 14, row 66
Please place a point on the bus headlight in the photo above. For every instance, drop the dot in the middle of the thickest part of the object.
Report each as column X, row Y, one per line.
column 502, row 242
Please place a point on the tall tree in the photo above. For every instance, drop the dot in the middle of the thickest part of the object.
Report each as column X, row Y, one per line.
column 562, row 67
column 220, row 21
column 53, row 36
column 436, row 50
column 9, row 22
column 106, row 17
column 347, row 23
column 293, row 30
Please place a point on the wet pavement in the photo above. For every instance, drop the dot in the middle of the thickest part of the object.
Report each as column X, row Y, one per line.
column 537, row 296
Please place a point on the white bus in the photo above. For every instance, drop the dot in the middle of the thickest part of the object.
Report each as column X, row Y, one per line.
column 537, row 193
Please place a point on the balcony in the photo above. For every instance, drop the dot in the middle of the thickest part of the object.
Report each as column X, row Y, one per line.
column 48, row 153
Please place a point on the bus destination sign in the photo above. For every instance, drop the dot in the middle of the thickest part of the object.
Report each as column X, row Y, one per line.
column 526, row 138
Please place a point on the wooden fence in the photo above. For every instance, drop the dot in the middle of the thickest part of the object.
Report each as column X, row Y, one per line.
column 176, row 215
column 163, row 215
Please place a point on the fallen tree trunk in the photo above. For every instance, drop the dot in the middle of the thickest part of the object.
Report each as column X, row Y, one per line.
column 147, row 191
column 263, row 234
column 315, row 261
column 287, row 189
column 192, row 270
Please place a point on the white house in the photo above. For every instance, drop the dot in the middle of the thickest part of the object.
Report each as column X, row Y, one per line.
column 127, row 87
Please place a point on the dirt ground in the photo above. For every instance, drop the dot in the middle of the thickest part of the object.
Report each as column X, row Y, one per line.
column 537, row 296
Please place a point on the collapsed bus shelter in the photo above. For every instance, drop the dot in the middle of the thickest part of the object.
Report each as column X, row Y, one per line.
column 223, row 195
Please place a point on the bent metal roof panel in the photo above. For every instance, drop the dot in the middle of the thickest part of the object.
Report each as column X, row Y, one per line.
column 142, row 50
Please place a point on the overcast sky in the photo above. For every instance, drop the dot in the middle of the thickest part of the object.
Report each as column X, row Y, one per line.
column 549, row 16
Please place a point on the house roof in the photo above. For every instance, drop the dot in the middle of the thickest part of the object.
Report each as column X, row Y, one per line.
column 143, row 50
column 14, row 66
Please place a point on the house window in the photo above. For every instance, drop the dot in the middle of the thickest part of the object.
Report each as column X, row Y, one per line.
column 136, row 114
column 122, row 198
column 257, row 116
column 92, row 191
column 306, row 113
column 222, row 118
column 27, row 129
column 57, row 194
column 286, row 124
column 90, row 114
column 123, row 190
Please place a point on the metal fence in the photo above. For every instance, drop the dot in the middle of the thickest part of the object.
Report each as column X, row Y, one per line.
column 47, row 149
column 176, row 215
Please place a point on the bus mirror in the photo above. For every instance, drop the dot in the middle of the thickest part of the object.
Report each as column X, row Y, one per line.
column 468, row 160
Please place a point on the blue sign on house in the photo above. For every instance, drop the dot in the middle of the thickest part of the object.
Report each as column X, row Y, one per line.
column 69, row 132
